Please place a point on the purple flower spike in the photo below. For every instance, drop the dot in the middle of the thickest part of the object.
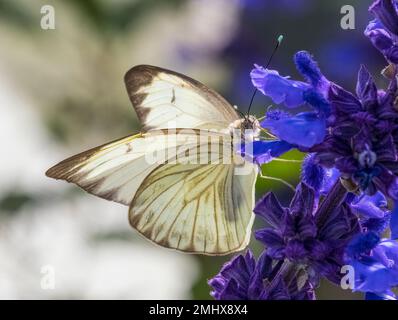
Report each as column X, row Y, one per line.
column 341, row 211
column 361, row 141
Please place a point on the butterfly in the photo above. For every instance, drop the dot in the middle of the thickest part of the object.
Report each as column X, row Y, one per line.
column 193, row 207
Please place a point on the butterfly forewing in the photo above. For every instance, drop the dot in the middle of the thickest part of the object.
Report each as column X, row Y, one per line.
column 166, row 99
column 114, row 171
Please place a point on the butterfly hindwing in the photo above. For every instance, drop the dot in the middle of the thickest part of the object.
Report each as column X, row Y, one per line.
column 195, row 208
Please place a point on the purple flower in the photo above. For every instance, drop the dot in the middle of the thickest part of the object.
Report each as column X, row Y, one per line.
column 383, row 31
column 375, row 264
column 374, row 296
column 362, row 138
column 303, row 234
column 382, row 40
column 339, row 213
column 294, row 93
column 244, row 278
column 370, row 206
column 373, row 213
column 386, row 12
column 279, row 89
column 375, row 261
column 305, row 129
column 319, row 178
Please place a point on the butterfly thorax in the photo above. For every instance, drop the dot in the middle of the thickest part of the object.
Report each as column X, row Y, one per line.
column 248, row 127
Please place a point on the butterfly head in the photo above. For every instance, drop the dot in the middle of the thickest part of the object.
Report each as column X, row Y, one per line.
column 249, row 127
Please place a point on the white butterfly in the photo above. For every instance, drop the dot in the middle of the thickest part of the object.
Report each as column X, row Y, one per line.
column 197, row 208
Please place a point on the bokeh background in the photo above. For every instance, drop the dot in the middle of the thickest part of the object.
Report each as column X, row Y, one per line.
column 61, row 92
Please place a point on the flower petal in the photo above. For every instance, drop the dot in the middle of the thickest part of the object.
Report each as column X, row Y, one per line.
column 269, row 237
column 270, row 210
column 366, row 88
column 370, row 206
column 303, row 200
column 377, row 273
column 308, row 67
column 305, row 129
column 312, row 173
column 279, row 89
column 382, row 40
column 385, row 11
column 384, row 296
column 264, row 151
column 343, row 102
column 373, row 277
column 317, row 100
column 362, row 244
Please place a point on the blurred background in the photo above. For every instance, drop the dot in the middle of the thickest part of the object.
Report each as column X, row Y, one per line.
column 62, row 91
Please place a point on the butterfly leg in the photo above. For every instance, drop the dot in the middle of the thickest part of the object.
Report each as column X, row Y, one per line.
column 260, row 171
column 287, row 160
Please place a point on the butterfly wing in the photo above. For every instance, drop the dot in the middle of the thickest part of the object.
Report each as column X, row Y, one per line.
column 197, row 208
column 111, row 171
column 166, row 99
column 115, row 170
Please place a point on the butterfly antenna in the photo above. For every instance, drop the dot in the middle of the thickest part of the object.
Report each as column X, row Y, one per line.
column 278, row 43
column 240, row 112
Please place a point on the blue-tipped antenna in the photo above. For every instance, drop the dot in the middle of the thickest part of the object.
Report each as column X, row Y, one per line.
column 278, row 43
